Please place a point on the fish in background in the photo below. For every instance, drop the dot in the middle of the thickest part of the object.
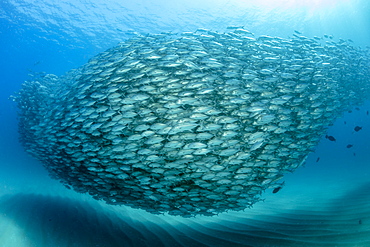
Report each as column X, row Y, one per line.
column 330, row 138
column 277, row 189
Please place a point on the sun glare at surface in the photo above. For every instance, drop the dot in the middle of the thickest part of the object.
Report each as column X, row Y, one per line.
column 311, row 4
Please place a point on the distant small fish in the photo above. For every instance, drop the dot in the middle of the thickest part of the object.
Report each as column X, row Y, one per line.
column 367, row 113
column 318, row 158
column 277, row 189
column 354, row 154
column 357, row 128
column 357, row 108
column 330, row 138
column 234, row 27
column 297, row 32
column 349, row 145
column 350, row 111
column 345, row 122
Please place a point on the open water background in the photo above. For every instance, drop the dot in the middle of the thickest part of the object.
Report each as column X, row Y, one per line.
column 56, row 36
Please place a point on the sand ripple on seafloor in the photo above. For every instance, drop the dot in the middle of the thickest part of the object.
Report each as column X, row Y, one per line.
column 29, row 219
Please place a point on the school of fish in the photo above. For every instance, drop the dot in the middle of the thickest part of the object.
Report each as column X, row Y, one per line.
column 189, row 124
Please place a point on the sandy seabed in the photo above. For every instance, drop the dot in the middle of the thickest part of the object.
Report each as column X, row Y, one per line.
column 315, row 208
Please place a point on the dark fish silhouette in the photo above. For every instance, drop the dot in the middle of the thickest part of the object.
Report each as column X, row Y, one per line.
column 349, row 145
column 318, row 158
column 357, row 108
column 345, row 122
column 357, row 128
column 367, row 112
column 277, row 189
column 330, row 138
column 354, row 154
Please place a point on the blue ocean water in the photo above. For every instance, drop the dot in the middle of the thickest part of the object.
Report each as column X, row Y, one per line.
column 322, row 204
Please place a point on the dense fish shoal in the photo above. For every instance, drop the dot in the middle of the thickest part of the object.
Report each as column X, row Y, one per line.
column 192, row 123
